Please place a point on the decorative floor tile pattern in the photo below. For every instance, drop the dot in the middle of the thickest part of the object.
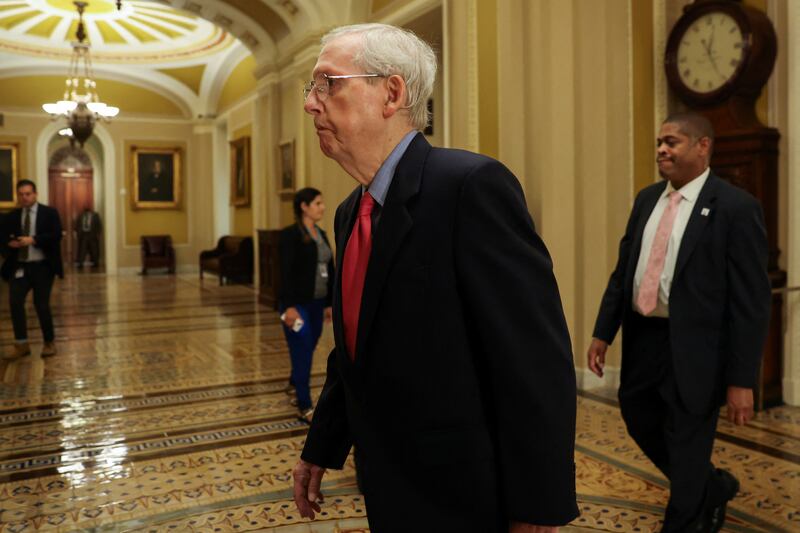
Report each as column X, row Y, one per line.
column 165, row 411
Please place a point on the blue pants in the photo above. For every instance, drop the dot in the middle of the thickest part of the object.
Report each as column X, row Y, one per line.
column 301, row 348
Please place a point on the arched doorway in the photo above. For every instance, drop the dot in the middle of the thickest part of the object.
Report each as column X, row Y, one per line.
column 70, row 180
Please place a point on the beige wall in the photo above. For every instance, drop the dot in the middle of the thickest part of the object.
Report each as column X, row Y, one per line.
column 565, row 114
column 189, row 225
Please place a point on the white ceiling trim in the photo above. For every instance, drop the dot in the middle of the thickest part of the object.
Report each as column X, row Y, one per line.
column 164, row 85
column 216, row 81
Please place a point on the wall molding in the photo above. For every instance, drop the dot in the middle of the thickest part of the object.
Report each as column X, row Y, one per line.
column 587, row 380
column 791, row 351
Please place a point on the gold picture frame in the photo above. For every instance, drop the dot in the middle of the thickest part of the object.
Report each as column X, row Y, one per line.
column 155, row 177
column 9, row 174
column 240, row 172
column 287, row 179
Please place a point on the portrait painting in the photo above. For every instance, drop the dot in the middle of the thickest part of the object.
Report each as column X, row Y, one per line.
column 240, row 171
column 156, row 177
column 286, row 177
column 9, row 174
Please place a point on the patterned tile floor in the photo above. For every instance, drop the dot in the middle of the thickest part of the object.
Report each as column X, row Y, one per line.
column 164, row 411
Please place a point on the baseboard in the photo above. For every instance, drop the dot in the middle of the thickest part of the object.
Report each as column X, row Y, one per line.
column 791, row 391
column 587, row 380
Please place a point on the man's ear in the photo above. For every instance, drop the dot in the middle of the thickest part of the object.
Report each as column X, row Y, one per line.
column 705, row 145
column 396, row 95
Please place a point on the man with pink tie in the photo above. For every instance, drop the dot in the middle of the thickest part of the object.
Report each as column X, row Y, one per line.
column 691, row 293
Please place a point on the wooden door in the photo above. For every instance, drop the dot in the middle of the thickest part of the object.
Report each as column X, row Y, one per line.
column 70, row 192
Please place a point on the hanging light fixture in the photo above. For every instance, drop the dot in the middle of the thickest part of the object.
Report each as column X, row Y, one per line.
column 80, row 105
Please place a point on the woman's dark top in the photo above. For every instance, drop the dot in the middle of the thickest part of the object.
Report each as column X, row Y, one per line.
column 299, row 266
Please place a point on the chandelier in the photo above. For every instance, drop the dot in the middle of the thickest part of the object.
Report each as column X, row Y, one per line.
column 80, row 105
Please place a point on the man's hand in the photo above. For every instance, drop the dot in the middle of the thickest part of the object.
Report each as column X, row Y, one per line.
column 25, row 240
column 291, row 314
column 740, row 405
column 328, row 314
column 597, row 356
column 519, row 527
column 307, row 480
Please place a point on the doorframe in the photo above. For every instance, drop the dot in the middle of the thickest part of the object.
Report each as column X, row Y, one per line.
column 107, row 176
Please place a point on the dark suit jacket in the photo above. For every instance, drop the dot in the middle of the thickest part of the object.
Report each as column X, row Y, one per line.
column 95, row 227
column 461, row 400
column 299, row 267
column 48, row 239
column 719, row 303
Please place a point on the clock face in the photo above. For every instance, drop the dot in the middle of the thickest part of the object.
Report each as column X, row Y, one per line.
column 710, row 52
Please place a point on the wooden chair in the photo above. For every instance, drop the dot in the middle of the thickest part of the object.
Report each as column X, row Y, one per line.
column 157, row 252
column 231, row 260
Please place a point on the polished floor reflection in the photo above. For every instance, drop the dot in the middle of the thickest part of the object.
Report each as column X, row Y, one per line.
column 164, row 411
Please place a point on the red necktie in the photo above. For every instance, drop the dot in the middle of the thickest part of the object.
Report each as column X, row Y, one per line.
column 354, row 270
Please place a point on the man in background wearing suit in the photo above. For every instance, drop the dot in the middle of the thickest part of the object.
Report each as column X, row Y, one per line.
column 452, row 373
column 692, row 295
column 32, row 240
column 88, row 228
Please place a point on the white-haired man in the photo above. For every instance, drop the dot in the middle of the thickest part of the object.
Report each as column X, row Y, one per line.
column 452, row 373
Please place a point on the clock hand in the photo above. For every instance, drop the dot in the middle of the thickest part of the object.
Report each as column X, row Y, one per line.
column 709, row 45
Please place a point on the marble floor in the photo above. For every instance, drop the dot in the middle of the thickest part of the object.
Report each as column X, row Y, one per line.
column 165, row 411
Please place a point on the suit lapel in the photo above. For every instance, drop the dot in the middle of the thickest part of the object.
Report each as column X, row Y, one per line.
column 394, row 224
column 349, row 211
column 697, row 223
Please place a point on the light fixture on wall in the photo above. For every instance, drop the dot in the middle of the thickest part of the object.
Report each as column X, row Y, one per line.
column 80, row 105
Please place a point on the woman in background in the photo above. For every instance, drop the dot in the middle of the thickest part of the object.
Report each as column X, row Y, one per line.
column 306, row 290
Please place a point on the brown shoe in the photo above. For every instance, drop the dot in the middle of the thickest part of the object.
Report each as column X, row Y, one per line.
column 21, row 349
column 306, row 415
column 49, row 349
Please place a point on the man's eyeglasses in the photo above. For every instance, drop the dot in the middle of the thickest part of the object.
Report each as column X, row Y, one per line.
column 323, row 84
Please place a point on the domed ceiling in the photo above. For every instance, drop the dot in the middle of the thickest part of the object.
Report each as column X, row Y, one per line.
column 139, row 32
column 186, row 51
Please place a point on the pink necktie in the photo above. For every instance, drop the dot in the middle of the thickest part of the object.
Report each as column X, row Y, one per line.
column 648, row 289
column 354, row 271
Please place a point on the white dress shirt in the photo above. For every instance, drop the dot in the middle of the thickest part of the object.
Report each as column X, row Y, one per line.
column 689, row 192
column 34, row 252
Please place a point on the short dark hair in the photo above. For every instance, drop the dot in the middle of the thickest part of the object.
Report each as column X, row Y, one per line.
column 303, row 196
column 694, row 125
column 22, row 183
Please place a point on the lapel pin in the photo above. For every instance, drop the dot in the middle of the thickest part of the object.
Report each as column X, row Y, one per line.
column 705, row 211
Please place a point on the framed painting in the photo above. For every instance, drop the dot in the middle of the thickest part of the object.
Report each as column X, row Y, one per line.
column 9, row 174
column 240, row 171
column 155, row 177
column 286, row 176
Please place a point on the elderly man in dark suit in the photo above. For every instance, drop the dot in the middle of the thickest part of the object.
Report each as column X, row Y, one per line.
column 452, row 373
column 692, row 295
column 31, row 238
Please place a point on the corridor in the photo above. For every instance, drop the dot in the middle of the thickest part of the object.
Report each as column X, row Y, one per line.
column 165, row 411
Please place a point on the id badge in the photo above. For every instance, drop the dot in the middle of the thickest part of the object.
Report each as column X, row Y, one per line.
column 323, row 271
column 20, row 273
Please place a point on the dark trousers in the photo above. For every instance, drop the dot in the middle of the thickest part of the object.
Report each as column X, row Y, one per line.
column 301, row 348
column 88, row 242
column 679, row 443
column 37, row 276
